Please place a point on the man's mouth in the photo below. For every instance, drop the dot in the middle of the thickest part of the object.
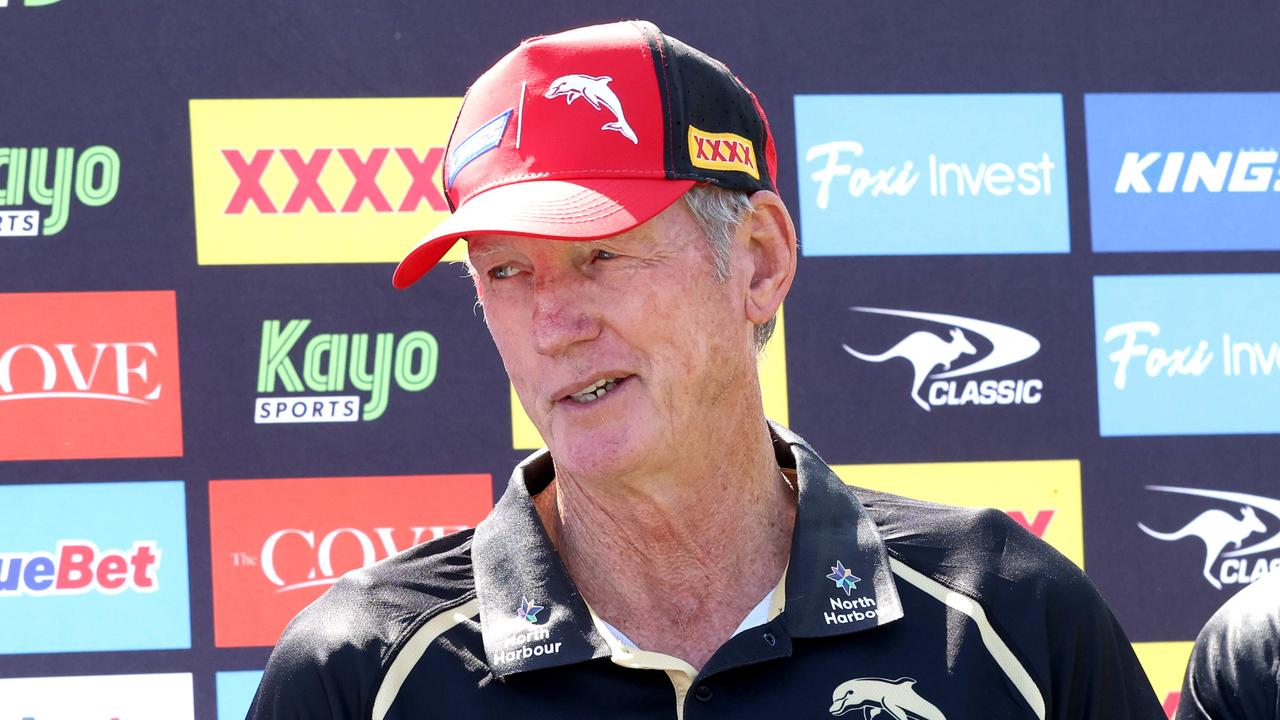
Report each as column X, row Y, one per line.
column 596, row 390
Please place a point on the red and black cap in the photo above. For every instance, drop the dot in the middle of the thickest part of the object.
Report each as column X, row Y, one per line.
column 588, row 133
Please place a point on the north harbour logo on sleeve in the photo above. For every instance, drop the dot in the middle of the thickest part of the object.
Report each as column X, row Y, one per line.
column 317, row 180
column 1184, row 171
column 1187, row 354
column 941, row 350
column 931, row 174
column 48, row 183
column 345, row 377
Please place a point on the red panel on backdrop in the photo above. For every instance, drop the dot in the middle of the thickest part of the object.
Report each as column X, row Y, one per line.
column 279, row 544
column 89, row 375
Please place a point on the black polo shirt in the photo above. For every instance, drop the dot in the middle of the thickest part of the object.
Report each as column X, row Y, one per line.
column 890, row 608
column 1234, row 672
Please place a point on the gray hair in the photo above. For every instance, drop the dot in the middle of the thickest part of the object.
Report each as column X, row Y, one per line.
column 719, row 212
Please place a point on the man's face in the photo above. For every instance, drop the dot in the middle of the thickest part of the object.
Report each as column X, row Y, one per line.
column 641, row 311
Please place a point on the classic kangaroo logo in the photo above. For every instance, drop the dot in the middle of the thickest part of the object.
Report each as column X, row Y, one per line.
column 873, row 696
column 1217, row 529
column 596, row 92
column 926, row 350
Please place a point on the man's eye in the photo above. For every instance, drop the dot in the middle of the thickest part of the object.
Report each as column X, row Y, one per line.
column 502, row 272
column 605, row 255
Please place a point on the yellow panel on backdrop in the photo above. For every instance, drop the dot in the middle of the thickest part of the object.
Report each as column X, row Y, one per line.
column 1166, row 664
column 1042, row 495
column 317, row 180
column 773, row 387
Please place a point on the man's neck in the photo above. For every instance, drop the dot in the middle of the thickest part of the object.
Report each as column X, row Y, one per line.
column 678, row 561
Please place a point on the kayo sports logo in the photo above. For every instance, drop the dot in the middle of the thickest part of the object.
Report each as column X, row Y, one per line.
column 47, row 177
column 1219, row 528
column 924, row 351
column 363, row 171
column 77, row 567
column 330, row 361
column 293, row 559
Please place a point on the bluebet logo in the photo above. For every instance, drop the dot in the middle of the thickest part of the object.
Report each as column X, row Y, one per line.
column 1187, row 354
column 931, row 174
column 49, row 178
column 333, row 366
column 1184, row 171
column 81, row 552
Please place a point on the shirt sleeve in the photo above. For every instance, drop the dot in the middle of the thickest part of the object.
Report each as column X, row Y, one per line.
column 1234, row 671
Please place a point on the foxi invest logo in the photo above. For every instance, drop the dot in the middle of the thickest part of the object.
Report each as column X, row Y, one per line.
column 926, row 351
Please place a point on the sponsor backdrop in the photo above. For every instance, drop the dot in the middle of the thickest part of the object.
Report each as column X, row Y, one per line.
column 1038, row 273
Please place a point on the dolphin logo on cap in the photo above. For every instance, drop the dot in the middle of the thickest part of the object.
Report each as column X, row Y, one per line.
column 596, row 92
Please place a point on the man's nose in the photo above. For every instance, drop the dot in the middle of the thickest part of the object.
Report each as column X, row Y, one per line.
column 563, row 312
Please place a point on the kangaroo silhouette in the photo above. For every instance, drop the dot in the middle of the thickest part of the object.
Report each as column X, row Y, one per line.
column 897, row 698
column 595, row 90
column 924, row 351
column 1216, row 529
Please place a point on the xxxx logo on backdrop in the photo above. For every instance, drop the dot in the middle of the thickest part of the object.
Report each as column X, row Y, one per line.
column 317, row 181
column 773, row 387
column 1041, row 495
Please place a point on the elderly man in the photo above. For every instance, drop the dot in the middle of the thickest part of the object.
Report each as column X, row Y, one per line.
column 673, row 554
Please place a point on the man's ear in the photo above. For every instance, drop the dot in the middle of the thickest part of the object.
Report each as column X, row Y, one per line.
column 770, row 239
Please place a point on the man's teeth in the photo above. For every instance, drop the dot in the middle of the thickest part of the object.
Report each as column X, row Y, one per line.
column 596, row 390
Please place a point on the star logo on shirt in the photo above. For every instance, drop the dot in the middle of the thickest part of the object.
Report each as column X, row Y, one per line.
column 528, row 611
column 844, row 578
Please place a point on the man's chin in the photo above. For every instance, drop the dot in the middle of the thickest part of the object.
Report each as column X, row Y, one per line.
column 599, row 452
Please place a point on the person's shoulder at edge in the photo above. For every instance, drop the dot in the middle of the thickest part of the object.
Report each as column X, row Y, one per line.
column 1234, row 670
column 1039, row 601
column 330, row 658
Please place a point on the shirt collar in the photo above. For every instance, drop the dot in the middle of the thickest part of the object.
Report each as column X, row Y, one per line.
column 532, row 616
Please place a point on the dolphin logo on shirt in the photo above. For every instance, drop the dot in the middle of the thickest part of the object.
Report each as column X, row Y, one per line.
column 595, row 90
column 896, row 698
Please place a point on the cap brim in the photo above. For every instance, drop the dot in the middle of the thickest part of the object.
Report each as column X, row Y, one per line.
column 585, row 209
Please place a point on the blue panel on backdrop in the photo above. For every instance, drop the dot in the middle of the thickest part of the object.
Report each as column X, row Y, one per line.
column 235, row 693
column 931, row 174
column 1183, row 171
column 94, row 566
column 1187, row 354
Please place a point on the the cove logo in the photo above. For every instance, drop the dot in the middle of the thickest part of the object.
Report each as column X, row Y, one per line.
column 926, row 350
column 1184, row 171
column 931, row 174
column 335, row 364
column 1187, row 354
column 278, row 544
column 1242, row 527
